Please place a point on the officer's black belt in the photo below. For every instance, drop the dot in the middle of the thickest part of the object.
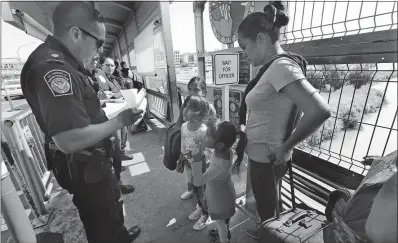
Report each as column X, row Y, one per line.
column 81, row 155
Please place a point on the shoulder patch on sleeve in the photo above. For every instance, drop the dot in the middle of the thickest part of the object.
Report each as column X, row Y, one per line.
column 59, row 82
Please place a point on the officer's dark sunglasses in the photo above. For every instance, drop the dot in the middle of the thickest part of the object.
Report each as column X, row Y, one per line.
column 99, row 42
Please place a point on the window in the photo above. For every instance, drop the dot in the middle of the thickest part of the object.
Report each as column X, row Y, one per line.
column 132, row 58
column 144, row 51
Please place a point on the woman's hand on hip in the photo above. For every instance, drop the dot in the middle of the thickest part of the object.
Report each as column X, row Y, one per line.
column 280, row 156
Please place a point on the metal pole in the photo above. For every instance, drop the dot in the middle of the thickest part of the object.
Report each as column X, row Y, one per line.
column 171, row 72
column 198, row 8
column 29, row 157
column 12, row 210
column 120, row 50
column 225, row 102
column 127, row 48
column 9, row 100
column 9, row 159
column 28, row 170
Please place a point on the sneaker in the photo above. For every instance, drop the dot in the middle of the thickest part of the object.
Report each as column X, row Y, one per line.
column 255, row 234
column 187, row 195
column 201, row 223
column 195, row 214
column 126, row 189
column 141, row 127
column 127, row 156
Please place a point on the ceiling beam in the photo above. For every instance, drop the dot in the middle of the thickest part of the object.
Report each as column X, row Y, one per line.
column 111, row 35
column 114, row 23
column 119, row 5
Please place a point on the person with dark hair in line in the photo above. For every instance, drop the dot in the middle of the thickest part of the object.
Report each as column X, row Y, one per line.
column 125, row 71
column 121, row 152
column 279, row 92
column 79, row 136
column 133, row 83
column 116, row 72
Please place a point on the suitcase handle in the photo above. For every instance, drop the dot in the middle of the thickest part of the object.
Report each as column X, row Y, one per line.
column 295, row 218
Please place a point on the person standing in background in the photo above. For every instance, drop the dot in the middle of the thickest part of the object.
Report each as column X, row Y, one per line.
column 116, row 72
column 121, row 152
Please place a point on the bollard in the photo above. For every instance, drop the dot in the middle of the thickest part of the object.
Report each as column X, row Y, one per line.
column 12, row 210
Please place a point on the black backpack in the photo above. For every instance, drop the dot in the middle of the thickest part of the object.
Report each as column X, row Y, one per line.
column 172, row 146
column 172, row 142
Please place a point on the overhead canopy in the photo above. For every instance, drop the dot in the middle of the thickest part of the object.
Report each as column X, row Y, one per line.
column 36, row 18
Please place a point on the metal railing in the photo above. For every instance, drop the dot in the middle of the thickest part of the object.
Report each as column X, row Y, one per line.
column 158, row 106
column 312, row 20
column 363, row 100
column 22, row 145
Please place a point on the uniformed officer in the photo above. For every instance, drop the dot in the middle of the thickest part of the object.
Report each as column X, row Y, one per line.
column 67, row 109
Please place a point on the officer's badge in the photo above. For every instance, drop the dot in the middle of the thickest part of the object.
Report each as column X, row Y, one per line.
column 59, row 82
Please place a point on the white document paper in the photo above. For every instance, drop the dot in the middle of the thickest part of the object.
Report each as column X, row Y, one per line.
column 133, row 99
column 130, row 96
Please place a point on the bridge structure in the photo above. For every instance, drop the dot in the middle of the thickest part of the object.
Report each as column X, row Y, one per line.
column 352, row 62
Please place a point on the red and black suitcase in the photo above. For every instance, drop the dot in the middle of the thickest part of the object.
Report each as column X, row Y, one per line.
column 297, row 224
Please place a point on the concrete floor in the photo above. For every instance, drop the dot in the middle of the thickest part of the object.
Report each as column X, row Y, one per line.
column 154, row 205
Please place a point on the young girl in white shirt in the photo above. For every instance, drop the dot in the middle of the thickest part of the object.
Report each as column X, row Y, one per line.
column 193, row 135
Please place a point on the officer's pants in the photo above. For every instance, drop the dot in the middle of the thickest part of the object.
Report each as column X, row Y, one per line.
column 101, row 211
column 117, row 159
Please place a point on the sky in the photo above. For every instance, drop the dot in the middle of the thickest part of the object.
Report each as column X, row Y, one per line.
column 183, row 28
column 13, row 38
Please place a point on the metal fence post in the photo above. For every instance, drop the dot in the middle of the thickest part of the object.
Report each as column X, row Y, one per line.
column 32, row 178
column 13, row 212
column 8, row 159
column 30, row 158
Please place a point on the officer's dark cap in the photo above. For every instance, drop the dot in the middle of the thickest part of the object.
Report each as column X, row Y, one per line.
column 79, row 14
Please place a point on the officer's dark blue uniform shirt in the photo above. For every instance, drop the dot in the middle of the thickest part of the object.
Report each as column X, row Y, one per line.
column 57, row 88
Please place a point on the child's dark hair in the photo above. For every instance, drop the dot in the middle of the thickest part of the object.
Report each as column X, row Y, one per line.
column 198, row 105
column 224, row 132
column 201, row 82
